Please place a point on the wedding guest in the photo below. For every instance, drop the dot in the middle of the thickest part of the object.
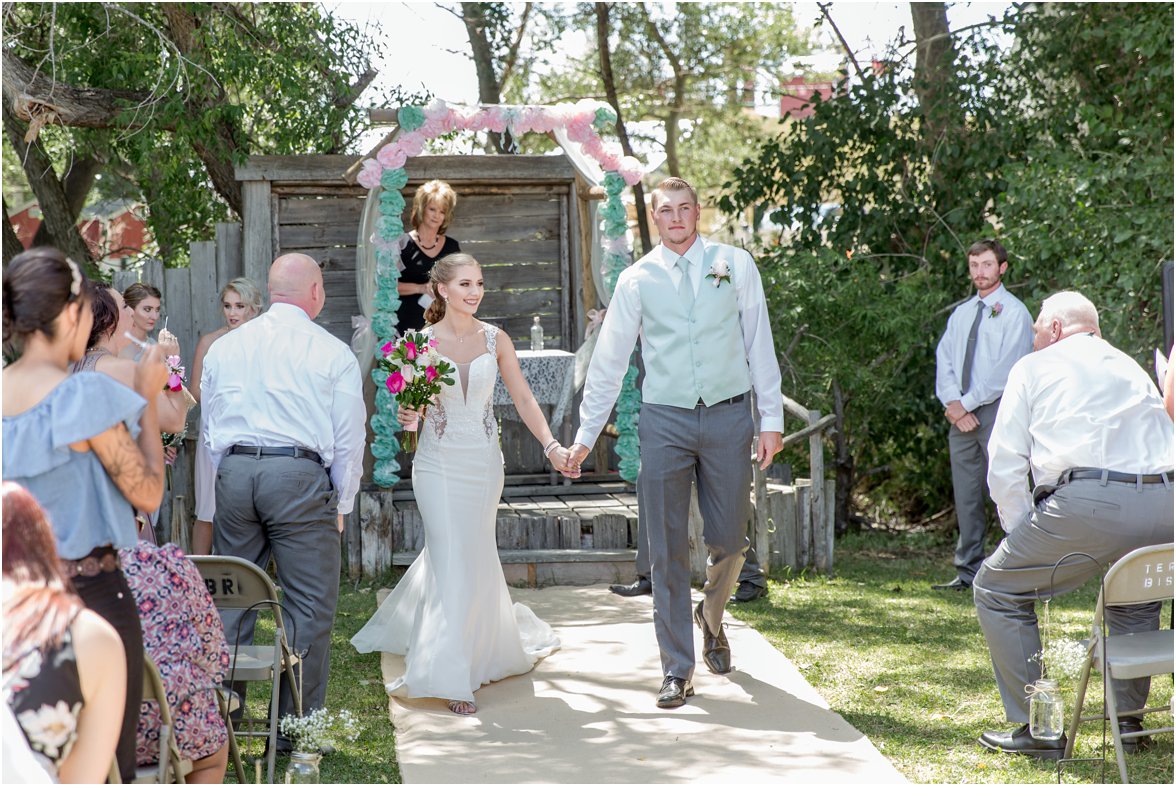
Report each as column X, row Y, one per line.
column 85, row 445
column 183, row 635
column 64, row 678
column 432, row 211
column 690, row 301
column 1083, row 426
column 240, row 302
column 286, row 426
column 108, row 339
column 144, row 303
column 985, row 336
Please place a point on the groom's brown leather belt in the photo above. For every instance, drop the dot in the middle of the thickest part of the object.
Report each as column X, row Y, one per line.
column 732, row 400
column 260, row 452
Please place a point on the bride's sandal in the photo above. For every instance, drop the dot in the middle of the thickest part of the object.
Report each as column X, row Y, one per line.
column 462, row 707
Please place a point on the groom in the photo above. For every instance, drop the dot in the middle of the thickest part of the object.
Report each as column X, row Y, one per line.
column 699, row 309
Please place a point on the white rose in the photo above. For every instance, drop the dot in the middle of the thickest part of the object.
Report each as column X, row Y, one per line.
column 408, row 372
column 433, row 357
column 720, row 268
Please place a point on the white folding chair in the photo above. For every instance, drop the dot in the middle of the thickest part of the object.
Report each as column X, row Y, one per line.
column 236, row 584
column 1141, row 576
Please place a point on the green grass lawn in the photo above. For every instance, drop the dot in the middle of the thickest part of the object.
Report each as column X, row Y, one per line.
column 904, row 664
column 909, row 668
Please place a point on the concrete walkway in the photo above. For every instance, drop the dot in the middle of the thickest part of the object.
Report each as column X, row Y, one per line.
column 586, row 714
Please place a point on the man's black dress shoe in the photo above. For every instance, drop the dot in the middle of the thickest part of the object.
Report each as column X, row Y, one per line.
column 955, row 584
column 1135, row 744
column 674, row 692
column 1020, row 741
column 748, row 592
column 716, row 653
column 641, row 586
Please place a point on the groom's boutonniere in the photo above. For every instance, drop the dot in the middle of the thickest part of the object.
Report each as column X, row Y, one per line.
column 996, row 311
column 720, row 271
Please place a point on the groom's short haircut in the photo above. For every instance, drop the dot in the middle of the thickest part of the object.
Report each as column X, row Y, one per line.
column 673, row 184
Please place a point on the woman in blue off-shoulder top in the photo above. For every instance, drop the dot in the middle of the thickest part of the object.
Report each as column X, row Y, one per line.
column 85, row 446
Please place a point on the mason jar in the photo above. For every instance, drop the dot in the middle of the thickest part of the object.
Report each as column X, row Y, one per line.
column 303, row 767
column 1047, row 717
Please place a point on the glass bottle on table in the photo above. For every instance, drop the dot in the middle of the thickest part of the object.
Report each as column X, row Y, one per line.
column 536, row 336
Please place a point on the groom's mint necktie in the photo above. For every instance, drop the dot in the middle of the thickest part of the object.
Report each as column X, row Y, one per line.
column 685, row 286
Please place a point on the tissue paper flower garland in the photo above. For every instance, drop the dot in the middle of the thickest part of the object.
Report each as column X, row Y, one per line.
column 583, row 122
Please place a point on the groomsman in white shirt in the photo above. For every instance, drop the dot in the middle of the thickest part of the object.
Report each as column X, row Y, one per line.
column 286, row 426
column 699, row 310
column 1083, row 426
column 985, row 336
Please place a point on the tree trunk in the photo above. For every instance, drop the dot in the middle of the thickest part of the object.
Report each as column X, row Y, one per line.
column 78, row 182
column 489, row 89
column 934, row 56
column 12, row 245
column 845, row 465
column 55, row 210
column 610, row 89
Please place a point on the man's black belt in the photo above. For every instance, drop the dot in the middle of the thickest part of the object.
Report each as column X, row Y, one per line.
column 1110, row 476
column 732, row 400
column 260, row 452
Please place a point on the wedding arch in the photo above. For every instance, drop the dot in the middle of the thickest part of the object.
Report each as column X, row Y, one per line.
column 576, row 128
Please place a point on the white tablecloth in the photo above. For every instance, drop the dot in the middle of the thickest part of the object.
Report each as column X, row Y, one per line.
column 551, row 374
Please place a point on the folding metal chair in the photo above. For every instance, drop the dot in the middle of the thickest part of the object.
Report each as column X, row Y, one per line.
column 1141, row 576
column 171, row 768
column 238, row 585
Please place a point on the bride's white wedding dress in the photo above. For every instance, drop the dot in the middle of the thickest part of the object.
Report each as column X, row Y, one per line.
column 451, row 615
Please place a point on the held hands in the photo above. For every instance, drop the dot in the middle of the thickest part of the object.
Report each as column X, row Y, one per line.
column 576, row 455
column 560, row 460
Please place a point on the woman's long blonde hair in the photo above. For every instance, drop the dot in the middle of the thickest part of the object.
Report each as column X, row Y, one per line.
column 443, row 272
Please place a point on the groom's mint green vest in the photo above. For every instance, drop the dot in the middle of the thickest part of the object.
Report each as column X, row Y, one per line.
column 695, row 355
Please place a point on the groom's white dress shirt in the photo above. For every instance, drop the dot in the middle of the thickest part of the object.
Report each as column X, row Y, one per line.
column 622, row 327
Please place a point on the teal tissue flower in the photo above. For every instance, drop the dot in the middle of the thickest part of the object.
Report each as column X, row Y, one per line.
column 410, row 118
column 613, row 210
column 391, row 203
column 384, row 398
column 614, row 184
column 385, row 473
column 605, row 117
column 395, row 179
column 384, row 325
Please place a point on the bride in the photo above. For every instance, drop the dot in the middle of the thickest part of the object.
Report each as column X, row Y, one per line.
column 451, row 615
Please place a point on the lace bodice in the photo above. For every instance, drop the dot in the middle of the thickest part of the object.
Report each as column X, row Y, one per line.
column 466, row 414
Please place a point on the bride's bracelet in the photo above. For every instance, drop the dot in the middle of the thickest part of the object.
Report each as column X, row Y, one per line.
column 552, row 445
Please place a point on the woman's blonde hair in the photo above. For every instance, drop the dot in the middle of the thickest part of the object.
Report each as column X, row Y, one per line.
column 444, row 270
column 433, row 191
column 247, row 291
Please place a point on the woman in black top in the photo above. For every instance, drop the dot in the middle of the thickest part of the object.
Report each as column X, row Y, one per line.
column 432, row 210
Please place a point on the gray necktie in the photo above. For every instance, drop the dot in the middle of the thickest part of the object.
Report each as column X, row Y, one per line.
column 970, row 354
column 685, row 286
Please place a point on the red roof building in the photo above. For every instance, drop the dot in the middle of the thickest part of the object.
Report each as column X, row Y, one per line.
column 114, row 229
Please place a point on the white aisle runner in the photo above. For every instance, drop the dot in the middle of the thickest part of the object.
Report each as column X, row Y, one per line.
column 586, row 714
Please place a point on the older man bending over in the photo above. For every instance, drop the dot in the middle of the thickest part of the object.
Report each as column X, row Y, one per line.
column 1090, row 425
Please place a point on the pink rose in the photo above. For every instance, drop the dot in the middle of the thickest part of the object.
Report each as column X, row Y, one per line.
column 392, row 156
column 430, row 374
column 410, row 350
column 369, row 177
column 388, row 348
column 395, row 382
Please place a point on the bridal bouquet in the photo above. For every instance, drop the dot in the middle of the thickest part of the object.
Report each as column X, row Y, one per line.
column 416, row 372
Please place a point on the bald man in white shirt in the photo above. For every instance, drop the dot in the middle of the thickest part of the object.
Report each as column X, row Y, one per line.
column 285, row 424
column 1085, row 425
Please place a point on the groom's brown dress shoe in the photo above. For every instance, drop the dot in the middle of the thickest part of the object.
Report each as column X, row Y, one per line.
column 1022, row 742
column 716, row 653
column 674, row 692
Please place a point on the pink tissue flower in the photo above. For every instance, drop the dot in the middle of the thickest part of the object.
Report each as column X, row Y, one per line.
column 580, row 132
column 631, row 170
column 369, row 177
column 412, row 144
column 395, row 382
column 392, row 156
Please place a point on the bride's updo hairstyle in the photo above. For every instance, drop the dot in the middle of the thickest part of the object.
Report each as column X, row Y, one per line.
column 444, row 270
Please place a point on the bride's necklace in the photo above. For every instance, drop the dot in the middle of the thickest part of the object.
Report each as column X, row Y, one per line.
column 461, row 339
column 436, row 240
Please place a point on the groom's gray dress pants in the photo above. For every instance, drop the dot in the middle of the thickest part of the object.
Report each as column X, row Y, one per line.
column 1104, row 520
column 709, row 446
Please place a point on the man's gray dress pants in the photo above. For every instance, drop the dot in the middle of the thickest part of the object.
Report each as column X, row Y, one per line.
column 285, row 508
column 710, row 446
column 1103, row 520
column 969, row 481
